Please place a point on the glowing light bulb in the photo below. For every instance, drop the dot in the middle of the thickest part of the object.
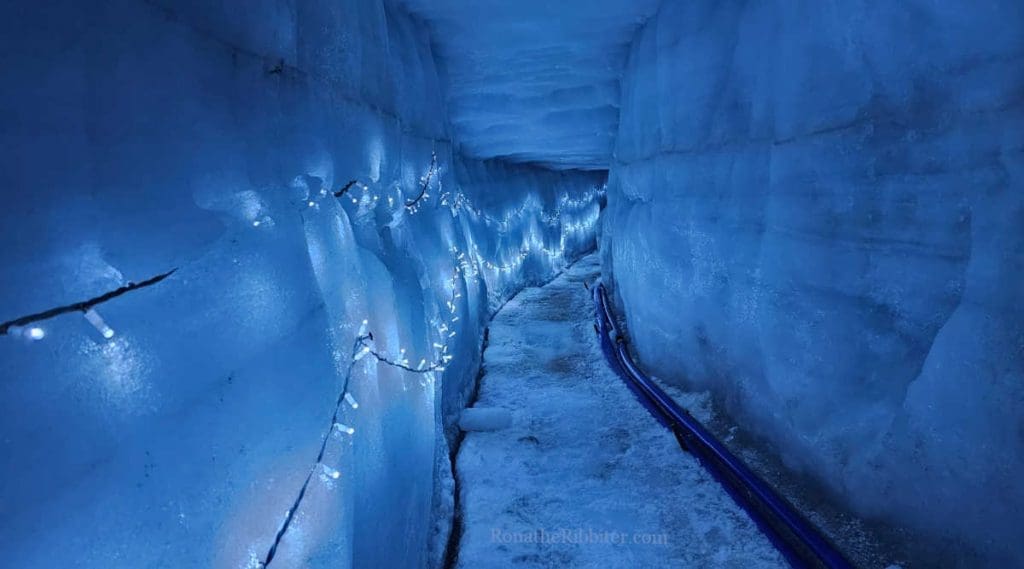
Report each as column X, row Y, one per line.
column 351, row 401
column 97, row 322
column 35, row 333
column 256, row 223
column 344, row 428
column 311, row 203
column 361, row 353
column 330, row 472
column 363, row 327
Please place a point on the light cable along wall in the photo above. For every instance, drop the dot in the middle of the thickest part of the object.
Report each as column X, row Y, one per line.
column 797, row 540
column 465, row 270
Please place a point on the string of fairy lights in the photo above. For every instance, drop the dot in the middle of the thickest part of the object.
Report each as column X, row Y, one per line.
column 363, row 346
column 467, row 267
column 457, row 202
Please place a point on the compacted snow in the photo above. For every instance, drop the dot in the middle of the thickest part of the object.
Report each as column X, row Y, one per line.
column 584, row 477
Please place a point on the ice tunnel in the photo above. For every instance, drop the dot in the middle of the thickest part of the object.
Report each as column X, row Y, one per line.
column 481, row 284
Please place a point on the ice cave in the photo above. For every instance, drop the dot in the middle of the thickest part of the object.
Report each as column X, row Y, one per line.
column 476, row 284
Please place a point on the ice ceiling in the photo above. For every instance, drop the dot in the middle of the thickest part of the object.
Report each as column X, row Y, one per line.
column 534, row 81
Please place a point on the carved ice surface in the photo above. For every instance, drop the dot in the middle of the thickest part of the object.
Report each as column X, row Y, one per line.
column 814, row 212
column 817, row 213
column 144, row 136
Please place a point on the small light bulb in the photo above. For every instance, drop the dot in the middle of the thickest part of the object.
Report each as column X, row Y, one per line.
column 97, row 322
column 344, row 428
column 36, row 333
column 331, row 472
column 351, row 401
column 311, row 203
column 256, row 223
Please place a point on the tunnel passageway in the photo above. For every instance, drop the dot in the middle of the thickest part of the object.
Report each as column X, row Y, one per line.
column 252, row 249
column 585, row 476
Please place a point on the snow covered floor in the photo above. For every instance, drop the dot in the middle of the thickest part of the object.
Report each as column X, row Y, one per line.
column 584, row 477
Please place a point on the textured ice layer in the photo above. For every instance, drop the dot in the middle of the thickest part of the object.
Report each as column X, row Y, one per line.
column 816, row 212
column 585, row 477
column 143, row 136
column 534, row 81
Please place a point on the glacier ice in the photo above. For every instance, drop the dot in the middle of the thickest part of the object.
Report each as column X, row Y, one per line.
column 534, row 81
column 816, row 212
column 211, row 138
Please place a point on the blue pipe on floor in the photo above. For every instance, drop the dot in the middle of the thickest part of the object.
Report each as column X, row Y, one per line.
column 797, row 540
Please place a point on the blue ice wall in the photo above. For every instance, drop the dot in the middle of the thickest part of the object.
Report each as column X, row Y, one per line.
column 210, row 137
column 817, row 211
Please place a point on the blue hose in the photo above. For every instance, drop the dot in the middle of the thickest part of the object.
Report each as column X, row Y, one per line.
column 797, row 540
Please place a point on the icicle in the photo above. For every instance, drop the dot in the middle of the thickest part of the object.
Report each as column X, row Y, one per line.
column 97, row 322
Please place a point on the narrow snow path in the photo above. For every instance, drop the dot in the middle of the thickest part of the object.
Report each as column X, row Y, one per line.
column 584, row 477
